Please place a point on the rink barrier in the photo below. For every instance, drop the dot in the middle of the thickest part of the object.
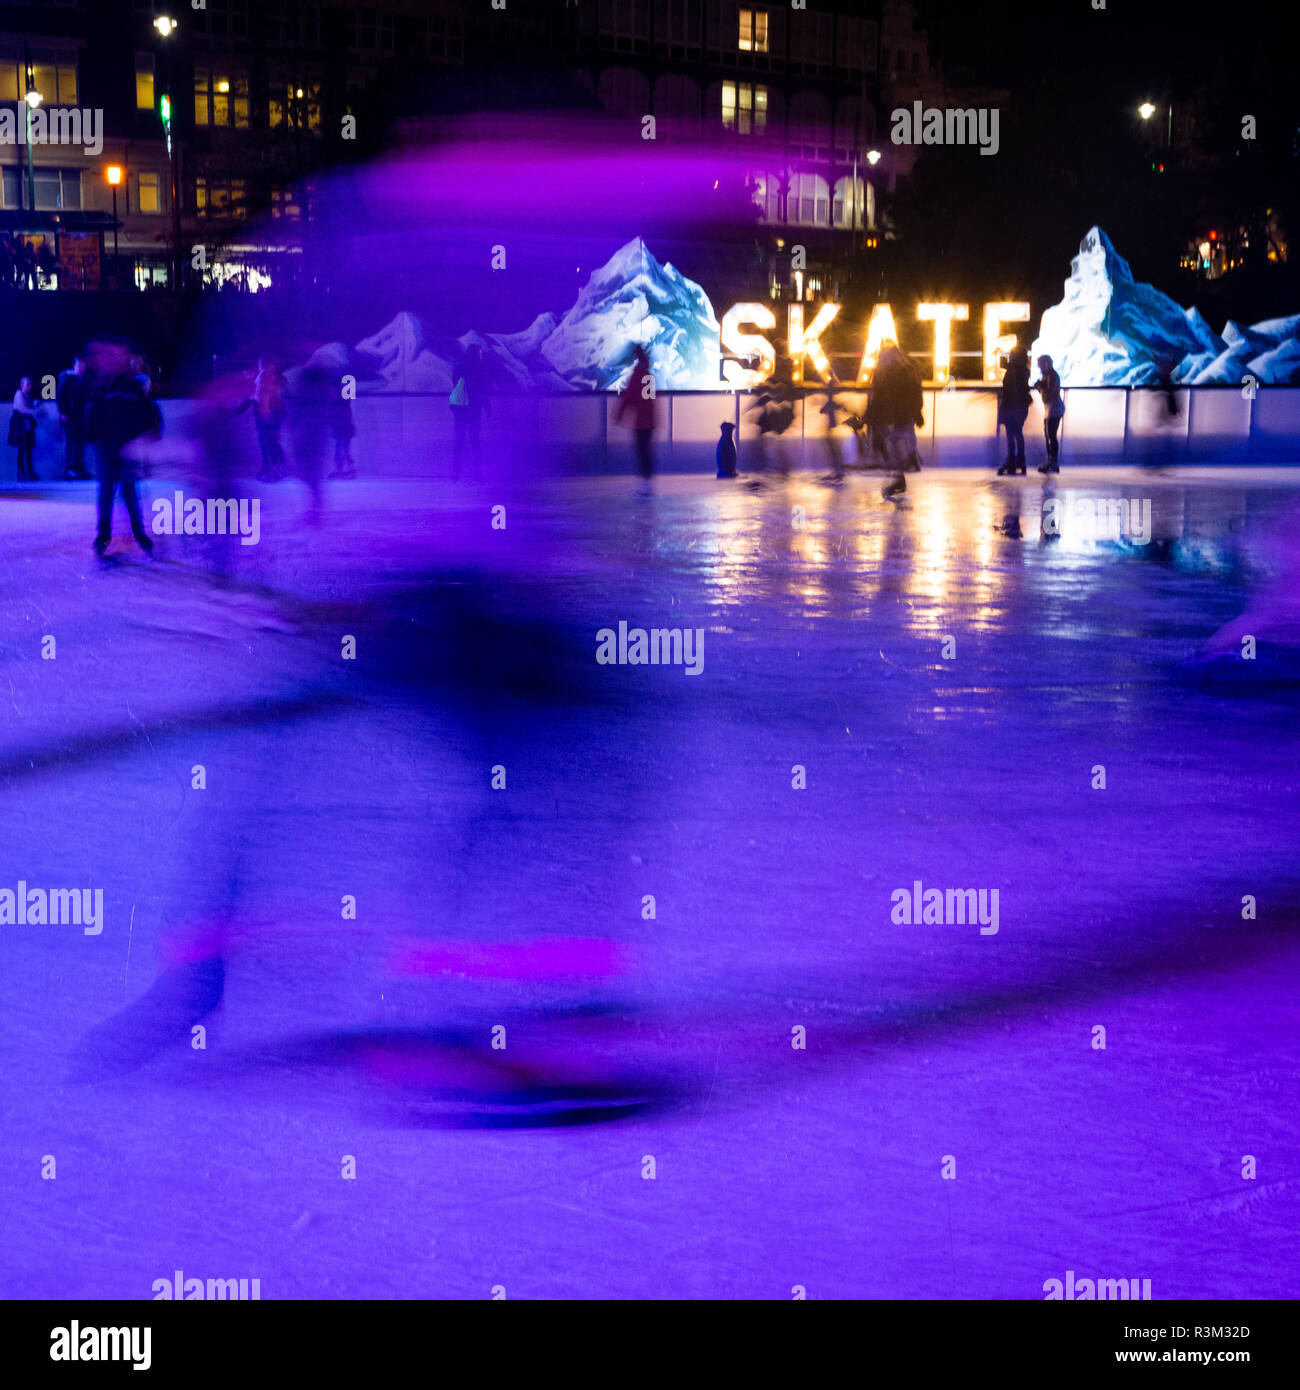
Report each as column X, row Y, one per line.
column 411, row 435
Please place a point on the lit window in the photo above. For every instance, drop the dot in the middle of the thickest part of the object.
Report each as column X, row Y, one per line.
column 753, row 31
column 220, row 98
column 284, row 204
column 295, row 104
column 144, row 74
column 54, row 76
column 744, row 107
column 147, row 193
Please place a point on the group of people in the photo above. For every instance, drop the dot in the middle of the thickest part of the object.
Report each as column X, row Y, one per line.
column 1014, row 401
column 267, row 401
column 23, row 264
column 72, row 400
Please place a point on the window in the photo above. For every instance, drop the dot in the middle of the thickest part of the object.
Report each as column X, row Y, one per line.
column 12, row 185
column 52, row 73
column 744, row 107
column 753, row 31
column 222, row 19
column 292, row 22
column 445, row 39
column 147, row 193
column 57, row 189
column 220, row 97
column 371, row 31
column 767, row 195
column 850, row 201
column 221, row 197
column 809, row 202
column 144, row 74
column 295, row 104
column 284, row 204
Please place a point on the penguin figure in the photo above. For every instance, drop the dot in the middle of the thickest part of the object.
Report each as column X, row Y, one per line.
column 727, row 452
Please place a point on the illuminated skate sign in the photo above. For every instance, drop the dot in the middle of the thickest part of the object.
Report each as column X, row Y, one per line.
column 803, row 341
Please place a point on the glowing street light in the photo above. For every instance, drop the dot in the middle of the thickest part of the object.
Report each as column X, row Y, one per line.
column 873, row 156
column 114, row 175
column 33, row 99
column 1146, row 110
column 165, row 25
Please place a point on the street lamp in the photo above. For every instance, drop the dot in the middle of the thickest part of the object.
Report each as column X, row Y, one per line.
column 167, row 28
column 114, row 175
column 873, row 157
column 32, row 100
column 1148, row 109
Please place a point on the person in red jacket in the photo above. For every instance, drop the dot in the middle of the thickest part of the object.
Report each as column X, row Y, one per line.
column 637, row 399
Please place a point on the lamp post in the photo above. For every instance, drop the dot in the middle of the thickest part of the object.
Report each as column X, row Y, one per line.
column 167, row 28
column 114, row 175
column 31, row 100
column 1147, row 110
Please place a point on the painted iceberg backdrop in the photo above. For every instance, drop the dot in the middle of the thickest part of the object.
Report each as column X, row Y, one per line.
column 632, row 300
column 1111, row 330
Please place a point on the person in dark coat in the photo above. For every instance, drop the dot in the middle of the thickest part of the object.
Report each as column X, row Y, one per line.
column 22, row 429
column 26, row 265
column 6, row 262
column 72, row 392
column 343, row 430
column 895, row 412
column 468, row 401
column 117, row 412
column 637, row 399
column 1014, row 401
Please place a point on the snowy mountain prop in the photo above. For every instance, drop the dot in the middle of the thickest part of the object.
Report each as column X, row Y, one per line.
column 631, row 301
column 1111, row 330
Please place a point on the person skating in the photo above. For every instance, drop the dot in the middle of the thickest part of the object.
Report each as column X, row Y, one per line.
column 468, row 401
column 1014, row 401
column 117, row 412
column 343, row 429
column 267, row 401
column 896, row 410
column 1048, row 387
column 71, row 397
column 637, row 399
column 22, row 430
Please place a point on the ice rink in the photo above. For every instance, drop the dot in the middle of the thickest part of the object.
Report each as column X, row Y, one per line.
column 944, row 679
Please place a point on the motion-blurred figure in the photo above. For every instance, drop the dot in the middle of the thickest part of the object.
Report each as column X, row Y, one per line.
column 832, row 411
column 72, row 392
column 118, row 411
column 267, row 401
column 343, row 429
column 1048, row 387
column 1014, row 401
column 637, row 400
column 468, row 401
column 22, row 430
column 775, row 412
column 897, row 410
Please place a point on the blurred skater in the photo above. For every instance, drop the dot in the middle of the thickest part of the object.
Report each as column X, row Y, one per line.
column 1048, row 387
column 1014, row 401
column 637, row 399
column 468, row 401
column 71, row 397
column 832, row 410
column 896, row 411
column 22, row 430
column 118, row 411
column 343, row 430
column 268, row 406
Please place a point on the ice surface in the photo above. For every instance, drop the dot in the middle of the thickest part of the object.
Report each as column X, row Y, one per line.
column 824, row 648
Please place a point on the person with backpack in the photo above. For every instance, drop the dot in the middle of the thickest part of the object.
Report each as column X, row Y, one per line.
column 1048, row 387
column 1014, row 401
column 468, row 402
